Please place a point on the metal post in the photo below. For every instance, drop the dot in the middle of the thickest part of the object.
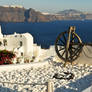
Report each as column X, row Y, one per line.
column 50, row 86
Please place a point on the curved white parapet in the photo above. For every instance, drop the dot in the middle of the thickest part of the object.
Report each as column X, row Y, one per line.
column 23, row 66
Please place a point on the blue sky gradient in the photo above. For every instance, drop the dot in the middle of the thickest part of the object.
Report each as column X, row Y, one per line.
column 51, row 6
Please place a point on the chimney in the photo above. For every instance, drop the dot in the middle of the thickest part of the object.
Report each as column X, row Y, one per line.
column 1, row 35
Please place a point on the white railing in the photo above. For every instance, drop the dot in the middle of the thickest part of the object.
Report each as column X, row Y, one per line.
column 49, row 84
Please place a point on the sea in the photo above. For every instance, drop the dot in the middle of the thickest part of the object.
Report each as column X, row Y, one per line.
column 45, row 33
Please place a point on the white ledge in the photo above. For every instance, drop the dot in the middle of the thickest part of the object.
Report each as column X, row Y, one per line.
column 23, row 66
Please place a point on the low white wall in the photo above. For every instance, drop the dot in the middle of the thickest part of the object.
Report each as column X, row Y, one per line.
column 23, row 66
column 88, row 89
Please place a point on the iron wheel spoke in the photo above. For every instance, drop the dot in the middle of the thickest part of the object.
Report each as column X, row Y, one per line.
column 70, row 51
column 72, row 39
column 63, row 53
column 66, row 56
column 59, row 44
column 62, row 41
column 61, row 49
column 76, row 51
column 73, row 48
column 64, row 37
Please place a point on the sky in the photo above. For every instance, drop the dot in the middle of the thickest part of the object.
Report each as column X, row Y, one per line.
column 51, row 6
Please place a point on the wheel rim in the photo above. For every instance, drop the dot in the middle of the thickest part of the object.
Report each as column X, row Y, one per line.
column 75, row 46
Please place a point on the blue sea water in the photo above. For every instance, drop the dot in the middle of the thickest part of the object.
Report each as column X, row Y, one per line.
column 45, row 33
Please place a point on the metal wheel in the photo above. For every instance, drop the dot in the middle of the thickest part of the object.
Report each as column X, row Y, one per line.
column 75, row 46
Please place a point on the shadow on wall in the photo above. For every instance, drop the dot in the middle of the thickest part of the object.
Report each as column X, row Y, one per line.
column 80, row 85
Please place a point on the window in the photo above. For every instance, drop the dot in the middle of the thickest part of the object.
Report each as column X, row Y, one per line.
column 0, row 43
column 5, row 42
column 20, row 35
column 21, row 43
column 15, row 35
column 21, row 53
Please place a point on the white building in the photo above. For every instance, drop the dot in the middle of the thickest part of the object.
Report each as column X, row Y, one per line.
column 24, row 48
column 1, row 35
column 13, row 6
column 22, row 44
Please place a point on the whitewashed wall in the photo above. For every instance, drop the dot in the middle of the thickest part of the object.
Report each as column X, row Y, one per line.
column 1, row 35
column 89, row 89
column 28, row 45
column 13, row 43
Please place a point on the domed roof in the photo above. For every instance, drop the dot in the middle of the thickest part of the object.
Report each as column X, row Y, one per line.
column 28, row 35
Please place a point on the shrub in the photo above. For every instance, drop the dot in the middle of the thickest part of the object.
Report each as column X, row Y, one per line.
column 6, row 57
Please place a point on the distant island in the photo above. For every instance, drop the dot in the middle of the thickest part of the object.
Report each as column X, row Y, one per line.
column 20, row 14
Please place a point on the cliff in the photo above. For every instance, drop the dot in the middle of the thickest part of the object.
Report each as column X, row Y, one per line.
column 11, row 14
column 15, row 14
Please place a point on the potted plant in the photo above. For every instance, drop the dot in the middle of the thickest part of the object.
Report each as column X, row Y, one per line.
column 6, row 57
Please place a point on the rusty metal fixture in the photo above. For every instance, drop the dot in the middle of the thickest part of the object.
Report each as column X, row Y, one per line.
column 65, row 76
column 68, row 45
